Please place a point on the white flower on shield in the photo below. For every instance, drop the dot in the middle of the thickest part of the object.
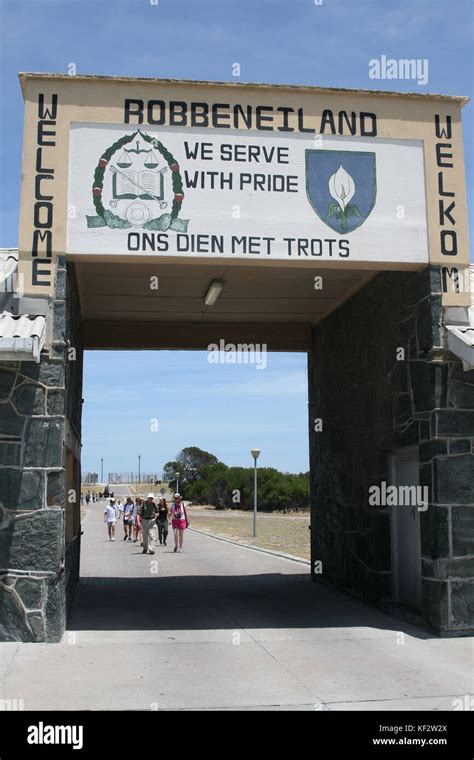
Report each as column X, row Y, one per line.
column 341, row 187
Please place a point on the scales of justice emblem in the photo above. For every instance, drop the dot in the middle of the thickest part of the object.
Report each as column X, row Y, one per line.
column 130, row 186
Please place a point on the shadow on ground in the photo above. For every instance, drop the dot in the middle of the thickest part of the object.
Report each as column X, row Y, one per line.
column 190, row 602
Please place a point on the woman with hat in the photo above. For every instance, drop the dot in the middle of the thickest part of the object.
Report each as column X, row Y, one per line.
column 148, row 514
column 179, row 521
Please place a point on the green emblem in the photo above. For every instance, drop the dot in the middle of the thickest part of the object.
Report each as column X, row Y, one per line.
column 138, row 175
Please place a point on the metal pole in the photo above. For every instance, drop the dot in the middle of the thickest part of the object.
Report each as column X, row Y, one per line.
column 255, row 497
column 139, row 457
column 101, row 471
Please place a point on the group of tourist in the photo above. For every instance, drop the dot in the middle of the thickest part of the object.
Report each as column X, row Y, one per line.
column 95, row 496
column 146, row 521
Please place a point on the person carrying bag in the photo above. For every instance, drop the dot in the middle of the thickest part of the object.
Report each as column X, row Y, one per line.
column 179, row 521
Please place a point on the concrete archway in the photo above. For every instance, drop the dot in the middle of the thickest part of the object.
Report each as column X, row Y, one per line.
column 386, row 328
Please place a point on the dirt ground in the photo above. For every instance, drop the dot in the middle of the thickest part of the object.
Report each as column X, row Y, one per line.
column 285, row 533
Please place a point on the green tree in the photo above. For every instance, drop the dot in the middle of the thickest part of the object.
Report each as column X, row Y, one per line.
column 169, row 472
column 205, row 480
column 192, row 460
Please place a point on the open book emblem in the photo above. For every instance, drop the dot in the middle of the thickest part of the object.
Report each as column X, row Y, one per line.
column 135, row 183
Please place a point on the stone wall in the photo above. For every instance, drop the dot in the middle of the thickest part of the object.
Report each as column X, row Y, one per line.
column 370, row 404
column 40, row 404
column 73, row 411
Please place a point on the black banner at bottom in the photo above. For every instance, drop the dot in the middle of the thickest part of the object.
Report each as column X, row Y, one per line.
column 378, row 734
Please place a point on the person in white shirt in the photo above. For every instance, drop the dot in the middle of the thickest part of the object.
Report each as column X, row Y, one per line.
column 110, row 517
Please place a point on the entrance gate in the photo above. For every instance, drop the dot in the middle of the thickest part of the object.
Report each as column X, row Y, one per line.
column 159, row 214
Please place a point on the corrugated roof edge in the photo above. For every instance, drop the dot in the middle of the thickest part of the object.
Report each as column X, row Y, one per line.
column 8, row 262
column 21, row 337
column 21, row 326
column 460, row 341
column 24, row 75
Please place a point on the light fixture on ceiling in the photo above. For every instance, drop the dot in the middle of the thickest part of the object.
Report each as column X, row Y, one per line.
column 213, row 292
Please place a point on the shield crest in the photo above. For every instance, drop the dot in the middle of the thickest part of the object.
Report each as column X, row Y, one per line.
column 341, row 186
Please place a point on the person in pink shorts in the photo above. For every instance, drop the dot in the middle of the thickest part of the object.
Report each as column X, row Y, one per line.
column 179, row 522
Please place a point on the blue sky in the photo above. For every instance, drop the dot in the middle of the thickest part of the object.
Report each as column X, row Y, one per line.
column 224, row 409
column 228, row 408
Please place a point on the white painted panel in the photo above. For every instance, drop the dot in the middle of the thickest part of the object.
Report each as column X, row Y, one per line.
column 329, row 187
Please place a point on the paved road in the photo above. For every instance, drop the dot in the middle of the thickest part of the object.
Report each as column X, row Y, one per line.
column 224, row 627
column 121, row 491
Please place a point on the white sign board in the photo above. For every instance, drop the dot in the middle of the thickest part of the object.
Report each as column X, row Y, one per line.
column 232, row 194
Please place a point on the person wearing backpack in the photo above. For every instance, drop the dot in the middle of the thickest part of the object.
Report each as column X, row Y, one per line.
column 148, row 512
column 179, row 522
